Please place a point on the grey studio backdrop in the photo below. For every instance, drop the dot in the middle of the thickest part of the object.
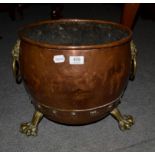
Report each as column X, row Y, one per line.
column 103, row 135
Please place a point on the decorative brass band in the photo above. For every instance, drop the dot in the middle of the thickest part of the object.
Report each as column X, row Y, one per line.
column 109, row 104
column 133, row 60
column 15, row 63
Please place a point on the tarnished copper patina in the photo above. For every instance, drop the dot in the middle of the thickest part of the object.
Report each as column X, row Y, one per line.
column 75, row 81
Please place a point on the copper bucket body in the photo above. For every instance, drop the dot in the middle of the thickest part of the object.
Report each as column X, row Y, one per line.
column 80, row 92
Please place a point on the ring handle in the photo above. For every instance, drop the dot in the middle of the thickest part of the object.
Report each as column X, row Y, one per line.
column 15, row 63
column 133, row 60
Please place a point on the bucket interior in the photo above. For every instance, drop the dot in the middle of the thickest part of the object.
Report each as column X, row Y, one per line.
column 75, row 33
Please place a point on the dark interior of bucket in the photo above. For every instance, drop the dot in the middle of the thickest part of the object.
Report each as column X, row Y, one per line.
column 75, row 33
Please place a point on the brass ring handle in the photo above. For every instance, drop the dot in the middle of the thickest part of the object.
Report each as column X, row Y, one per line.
column 15, row 63
column 16, row 72
column 133, row 69
column 133, row 60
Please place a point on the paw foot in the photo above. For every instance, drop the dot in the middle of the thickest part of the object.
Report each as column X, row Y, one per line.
column 29, row 129
column 126, row 122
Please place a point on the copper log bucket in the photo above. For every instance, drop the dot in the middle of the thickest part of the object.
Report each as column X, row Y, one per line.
column 75, row 71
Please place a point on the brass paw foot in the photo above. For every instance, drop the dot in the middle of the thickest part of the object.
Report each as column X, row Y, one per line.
column 31, row 128
column 124, row 121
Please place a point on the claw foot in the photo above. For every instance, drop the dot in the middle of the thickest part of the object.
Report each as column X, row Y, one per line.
column 29, row 129
column 126, row 122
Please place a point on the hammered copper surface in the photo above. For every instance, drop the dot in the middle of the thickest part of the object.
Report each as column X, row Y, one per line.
column 75, row 94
